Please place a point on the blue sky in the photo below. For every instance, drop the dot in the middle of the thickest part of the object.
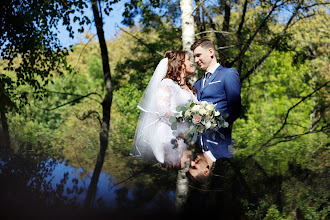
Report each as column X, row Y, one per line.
column 110, row 22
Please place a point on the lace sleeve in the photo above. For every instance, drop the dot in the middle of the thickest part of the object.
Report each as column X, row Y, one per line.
column 164, row 102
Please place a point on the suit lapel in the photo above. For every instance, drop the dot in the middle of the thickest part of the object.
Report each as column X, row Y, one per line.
column 200, row 84
column 216, row 72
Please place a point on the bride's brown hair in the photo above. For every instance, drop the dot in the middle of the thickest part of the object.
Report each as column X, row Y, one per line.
column 175, row 66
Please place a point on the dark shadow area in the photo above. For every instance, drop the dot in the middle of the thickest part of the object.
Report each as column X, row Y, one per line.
column 47, row 186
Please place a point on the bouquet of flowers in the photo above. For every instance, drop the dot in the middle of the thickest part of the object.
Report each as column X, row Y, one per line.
column 201, row 117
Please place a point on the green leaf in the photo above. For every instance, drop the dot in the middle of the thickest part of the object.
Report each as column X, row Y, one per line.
column 172, row 119
column 225, row 124
column 193, row 130
column 222, row 136
column 194, row 139
column 174, row 126
column 187, row 134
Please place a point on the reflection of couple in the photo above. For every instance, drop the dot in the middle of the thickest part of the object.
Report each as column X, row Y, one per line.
column 167, row 89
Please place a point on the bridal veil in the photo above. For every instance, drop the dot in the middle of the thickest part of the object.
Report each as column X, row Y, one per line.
column 146, row 142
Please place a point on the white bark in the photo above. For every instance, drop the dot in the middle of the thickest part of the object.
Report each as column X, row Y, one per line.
column 182, row 187
column 188, row 38
column 188, row 29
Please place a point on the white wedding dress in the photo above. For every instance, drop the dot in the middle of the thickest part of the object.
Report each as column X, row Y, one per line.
column 153, row 133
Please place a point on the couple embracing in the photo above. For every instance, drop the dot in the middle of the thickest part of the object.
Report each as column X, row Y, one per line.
column 169, row 88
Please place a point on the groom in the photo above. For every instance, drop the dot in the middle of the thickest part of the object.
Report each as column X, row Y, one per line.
column 222, row 87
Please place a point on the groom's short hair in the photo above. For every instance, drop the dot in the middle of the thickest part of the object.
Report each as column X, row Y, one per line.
column 204, row 43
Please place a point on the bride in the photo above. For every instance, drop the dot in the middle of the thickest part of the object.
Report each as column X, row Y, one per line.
column 168, row 88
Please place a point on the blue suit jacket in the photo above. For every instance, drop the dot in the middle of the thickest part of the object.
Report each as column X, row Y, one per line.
column 223, row 88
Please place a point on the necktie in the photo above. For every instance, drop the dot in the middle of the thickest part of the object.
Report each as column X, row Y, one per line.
column 204, row 147
column 206, row 77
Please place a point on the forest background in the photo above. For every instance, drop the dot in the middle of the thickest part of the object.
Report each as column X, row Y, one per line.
column 282, row 135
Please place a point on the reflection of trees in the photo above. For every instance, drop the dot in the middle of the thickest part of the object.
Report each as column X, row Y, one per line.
column 141, row 183
column 241, row 187
column 145, row 199
column 26, row 186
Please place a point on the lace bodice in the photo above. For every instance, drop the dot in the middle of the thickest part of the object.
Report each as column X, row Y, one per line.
column 169, row 96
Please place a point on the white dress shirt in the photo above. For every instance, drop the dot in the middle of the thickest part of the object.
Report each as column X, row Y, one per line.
column 211, row 71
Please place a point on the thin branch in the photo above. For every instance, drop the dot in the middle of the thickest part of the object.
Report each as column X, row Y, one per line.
column 68, row 103
column 213, row 24
column 199, row 4
column 242, row 18
column 263, row 58
column 84, row 49
column 292, row 137
column 249, row 41
column 315, row 4
column 222, row 32
column 303, row 99
column 141, row 41
column 296, row 136
column 89, row 114
column 225, row 47
column 66, row 93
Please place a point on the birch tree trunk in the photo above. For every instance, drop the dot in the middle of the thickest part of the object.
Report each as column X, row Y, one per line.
column 188, row 27
column 188, row 37
column 182, row 187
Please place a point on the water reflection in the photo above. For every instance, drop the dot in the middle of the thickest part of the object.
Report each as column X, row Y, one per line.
column 46, row 186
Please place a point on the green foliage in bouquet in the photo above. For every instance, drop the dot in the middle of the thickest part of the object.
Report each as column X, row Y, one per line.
column 201, row 117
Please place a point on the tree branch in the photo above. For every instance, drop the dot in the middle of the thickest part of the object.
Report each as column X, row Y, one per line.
column 141, row 41
column 296, row 136
column 263, row 58
column 70, row 102
column 214, row 31
column 291, row 137
column 225, row 47
column 84, row 48
column 66, row 93
column 199, row 4
column 242, row 19
column 292, row 107
column 89, row 114
column 249, row 41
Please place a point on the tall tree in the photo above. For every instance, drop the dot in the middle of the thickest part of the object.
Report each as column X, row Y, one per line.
column 30, row 47
column 106, row 103
column 188, row 37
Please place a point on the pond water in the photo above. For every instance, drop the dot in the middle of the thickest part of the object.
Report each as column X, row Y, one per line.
column 34, row 183
column 36, row 186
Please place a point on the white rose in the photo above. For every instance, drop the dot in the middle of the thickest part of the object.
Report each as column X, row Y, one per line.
column 203, row 103
column 195, row 108
column 208, row 125
column 217, row 113
column 214, row 125
column 210, row 107
column 202, row 111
